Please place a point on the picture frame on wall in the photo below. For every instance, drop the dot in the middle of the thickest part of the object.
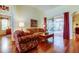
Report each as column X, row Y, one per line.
column 34, row 23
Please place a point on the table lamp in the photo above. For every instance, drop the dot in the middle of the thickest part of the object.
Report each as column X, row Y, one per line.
column 21, row 25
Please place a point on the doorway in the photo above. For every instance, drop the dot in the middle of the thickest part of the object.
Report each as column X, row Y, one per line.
column 4, row 24
column 75, row 26
column 58, row 34
column 4, row 39
column 56, row 26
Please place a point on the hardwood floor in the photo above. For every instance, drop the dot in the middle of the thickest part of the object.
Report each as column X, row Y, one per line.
column 7, row 46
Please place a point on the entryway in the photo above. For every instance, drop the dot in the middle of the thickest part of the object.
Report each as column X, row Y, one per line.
column 56, row 26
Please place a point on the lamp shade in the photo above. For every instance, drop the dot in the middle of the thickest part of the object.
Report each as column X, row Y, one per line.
column 21, row 24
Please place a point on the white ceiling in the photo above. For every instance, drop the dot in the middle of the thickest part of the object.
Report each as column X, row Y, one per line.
column 45, row 8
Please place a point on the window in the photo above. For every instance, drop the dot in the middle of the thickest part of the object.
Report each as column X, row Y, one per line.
column 58, row 24
column 50, row 26
column 4, row 24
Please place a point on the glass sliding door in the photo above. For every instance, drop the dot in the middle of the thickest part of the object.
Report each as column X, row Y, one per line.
column 58, row 34
column 56, row 26
column 50, row 29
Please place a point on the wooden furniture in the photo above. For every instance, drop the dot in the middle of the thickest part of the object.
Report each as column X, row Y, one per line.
column 8, row 31
column 35, row 30
column 41, row 32
column 45, row 37
column 77, row 33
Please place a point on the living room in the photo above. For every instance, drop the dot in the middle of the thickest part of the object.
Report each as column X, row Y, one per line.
column 39, row 28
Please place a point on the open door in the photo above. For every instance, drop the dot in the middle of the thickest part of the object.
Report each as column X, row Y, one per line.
column 56, row 26
column 4, row 24
column 58, row 34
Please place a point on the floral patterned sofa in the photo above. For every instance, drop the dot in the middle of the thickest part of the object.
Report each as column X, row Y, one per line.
column 25, row 41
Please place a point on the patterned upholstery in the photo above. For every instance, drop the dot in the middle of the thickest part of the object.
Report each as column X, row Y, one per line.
column 25, row 42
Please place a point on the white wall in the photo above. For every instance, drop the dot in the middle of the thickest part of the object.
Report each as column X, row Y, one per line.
column 25, row 13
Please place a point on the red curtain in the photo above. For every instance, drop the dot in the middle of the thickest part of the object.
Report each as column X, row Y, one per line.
column 45, row 23
column 66, row 33
column 66, row 26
